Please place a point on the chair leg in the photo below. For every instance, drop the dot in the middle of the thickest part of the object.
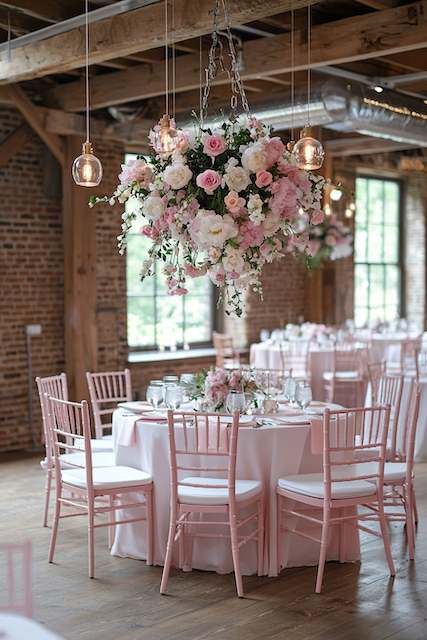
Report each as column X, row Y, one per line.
column 54, row 528
column 149, row 527
column 323, row 550
column 90, row 539
column 260, row 549
column 111, row 528
column 385, row 535
column 414, row 504
column 235, row 553
column 278, row 531
column 169, row 551
column 342, row 538
column 47, row 496
column 181, row 547
column 409, row 513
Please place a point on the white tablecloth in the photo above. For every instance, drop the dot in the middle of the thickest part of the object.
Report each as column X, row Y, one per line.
column 266, row 355
column 14, row 627
column 264, row 454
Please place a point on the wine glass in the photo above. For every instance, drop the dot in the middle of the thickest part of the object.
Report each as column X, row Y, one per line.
column 303, row 395
column 155, row 393
column 235, row 401
column 174, row 396
column 289, row 390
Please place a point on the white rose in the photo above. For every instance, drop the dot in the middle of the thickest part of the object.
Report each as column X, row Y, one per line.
column 256, row 216
column 177, row 175
column 254, row 158
column 233, row 261
column 209, row 229
column 254, row 202
column 236, row 178
column 153, row 207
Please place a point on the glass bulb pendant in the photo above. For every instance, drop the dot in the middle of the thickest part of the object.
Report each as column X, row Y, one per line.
column 308, row 152
column 166, row 137
column 87, row 169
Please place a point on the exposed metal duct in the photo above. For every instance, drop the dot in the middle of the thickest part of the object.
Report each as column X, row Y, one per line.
column 351, row 106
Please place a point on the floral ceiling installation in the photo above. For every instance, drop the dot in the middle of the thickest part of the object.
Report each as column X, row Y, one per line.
column 219, row 201
column 331, row 240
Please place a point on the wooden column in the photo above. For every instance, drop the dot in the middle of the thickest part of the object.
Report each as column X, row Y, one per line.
column 79, row 223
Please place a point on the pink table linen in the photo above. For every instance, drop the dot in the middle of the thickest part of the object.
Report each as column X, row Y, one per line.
column 264, row 454
column 266, row 355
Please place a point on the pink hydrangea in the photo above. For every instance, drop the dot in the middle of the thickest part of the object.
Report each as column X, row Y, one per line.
column 136, row 171
column 251, row 235
column 284, row 199
column 275, row 149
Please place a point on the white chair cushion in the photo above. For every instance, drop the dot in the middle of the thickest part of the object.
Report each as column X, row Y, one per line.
column 311, row 484
column 245, row 489
column 341, row 375
column 108, row 477
column 393, row 471
column 98, row 445
column 69, row 460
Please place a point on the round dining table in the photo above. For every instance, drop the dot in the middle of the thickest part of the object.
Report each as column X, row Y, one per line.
column 287, row 445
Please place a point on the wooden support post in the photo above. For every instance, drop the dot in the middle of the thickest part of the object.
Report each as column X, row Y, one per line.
column 79, row 224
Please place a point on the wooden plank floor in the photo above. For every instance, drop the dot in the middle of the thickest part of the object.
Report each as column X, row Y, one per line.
column 359, row 602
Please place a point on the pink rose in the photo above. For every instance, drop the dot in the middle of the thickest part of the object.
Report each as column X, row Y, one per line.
column 136, row 171
column 178, row 291
column 233, row 202
column 317, row 217
column 209, row 180
column 213, row 145
column 330, row 240
column 263, row 179
column 275, row 149
column 194, row 272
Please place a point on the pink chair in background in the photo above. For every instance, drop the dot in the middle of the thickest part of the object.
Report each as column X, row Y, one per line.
column 350, row 437
column 226, row 355
column 199, row 442
column 375, row 371
column 295, row 355
column 16, row 563
column 347, row 375
column 402, row 358
column 87, row 484
column 106, row 390
column 389, row 392
column 56, row 386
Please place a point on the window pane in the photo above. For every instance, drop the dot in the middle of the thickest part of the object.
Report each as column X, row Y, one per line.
column 136, row 253
column 169, row 320
column 198, row 319
column 141, row 322
column 377, row 270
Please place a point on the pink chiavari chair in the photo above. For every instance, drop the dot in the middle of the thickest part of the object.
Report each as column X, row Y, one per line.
column 199, row 443
column 399, row 475
column 375, row 371
column 347, row 375
column 402, row 359
column 87, row 484
column 389, row 391
column 106, row 390
column 226, row 355
column 296, row 357
column 16, row 569
column 102, row 456
column 350, row 437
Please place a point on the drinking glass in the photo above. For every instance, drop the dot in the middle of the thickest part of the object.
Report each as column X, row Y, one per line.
column 303, row 395
column 289, row 389
column 174, row 396
column 264, row 335
column 155, row 393
column 170, row 379
column 235, row 401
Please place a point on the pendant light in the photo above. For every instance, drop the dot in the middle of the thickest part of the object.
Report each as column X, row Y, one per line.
column 165, row 138
column 308, row 152
column 87, row 169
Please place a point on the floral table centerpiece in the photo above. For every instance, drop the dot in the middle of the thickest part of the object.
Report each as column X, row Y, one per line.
column 212, row 387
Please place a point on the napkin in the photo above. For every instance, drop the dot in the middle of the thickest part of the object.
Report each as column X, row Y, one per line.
column 126, row 433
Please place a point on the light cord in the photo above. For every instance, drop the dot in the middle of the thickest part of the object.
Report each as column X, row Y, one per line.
column 292, row 72
column 166, row 60
column 9, row 36
column 173, row 62
column 200, row 79
column 309, row 63
column 87, row 71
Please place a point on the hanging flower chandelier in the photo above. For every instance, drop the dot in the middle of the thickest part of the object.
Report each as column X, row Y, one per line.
column 220, row 201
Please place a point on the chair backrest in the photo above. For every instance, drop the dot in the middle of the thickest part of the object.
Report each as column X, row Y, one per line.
column 404, row 356
column 405, row 441
column 389, row 392
column 106, row 390
column 69, row 426
column 375, row 371
column 348, row 358
column 198, row 443
column 296, row 356
column 55, row 386
column 223, row 345
column 15, row 574
column 352, row 437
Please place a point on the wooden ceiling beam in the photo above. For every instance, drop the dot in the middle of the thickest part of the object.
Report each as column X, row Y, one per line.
column 121, row 35
column 50, row 11
column 360, row 38
column 379, row 4
column 13, row 144
column 32, row 116
column 362, row 145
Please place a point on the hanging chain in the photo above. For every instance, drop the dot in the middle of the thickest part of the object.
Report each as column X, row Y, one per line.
column 216, row 64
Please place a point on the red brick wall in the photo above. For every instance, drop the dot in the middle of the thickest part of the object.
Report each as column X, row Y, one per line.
column 31, row 289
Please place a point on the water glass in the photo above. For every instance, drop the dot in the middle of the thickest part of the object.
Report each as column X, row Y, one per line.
column 170, row 379
column 264, row 335
column 235, row 401
column 289, row 390
column 155, row 393
column 303, row 395
column 174, row 396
